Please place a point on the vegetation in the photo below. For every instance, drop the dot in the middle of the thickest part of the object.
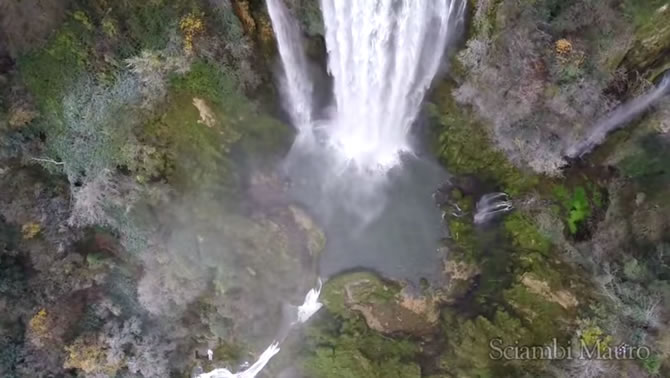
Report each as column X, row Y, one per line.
column 140, row 223
column 462, row 144
column 342, row 348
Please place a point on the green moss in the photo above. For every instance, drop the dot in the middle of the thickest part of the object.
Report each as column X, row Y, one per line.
column 346, row 363
column 360, row 287
column 49, row 72
column 463, row 239
column 525, row 235
column 579, row 210
column 462, row 144
column 545, row 318
column 260, row 134
column 469, row 349
column 205, row 79
column 652, row 365
column 342, row 348
column 577, row 205
column 199, row 155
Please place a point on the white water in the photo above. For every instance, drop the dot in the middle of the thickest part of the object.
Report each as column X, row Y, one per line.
column 252, row 371
column 310, row 306
column 382, row 55
column 297, row 89
column 492, row 205
column 619, row 118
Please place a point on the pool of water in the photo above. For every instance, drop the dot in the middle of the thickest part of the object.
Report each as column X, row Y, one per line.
column 384, row 222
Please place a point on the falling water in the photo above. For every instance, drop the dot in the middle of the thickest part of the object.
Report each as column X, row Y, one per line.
column 492, row 205
column 382, row 55
column 295, row 82
column 619, row 118
column 310, row 306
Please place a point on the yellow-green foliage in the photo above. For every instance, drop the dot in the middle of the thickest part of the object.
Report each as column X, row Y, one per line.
column 86, row 355
column 643, row 12
column 593, row 335
column 191, row 26
column 30, row 230
column 348, row 363
column 196, row 149
column 39, row 323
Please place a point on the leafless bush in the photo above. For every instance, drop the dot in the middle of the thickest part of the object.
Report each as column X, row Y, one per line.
column 153, row 67
column 587, row 368
column 91, row 199
column 540, row 101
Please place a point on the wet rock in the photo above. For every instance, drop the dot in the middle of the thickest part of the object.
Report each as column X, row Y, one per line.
column 460, row 277
column 267, row 189
column 316, row 239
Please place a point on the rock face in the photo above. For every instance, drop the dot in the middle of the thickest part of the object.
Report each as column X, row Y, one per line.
column 388, row 307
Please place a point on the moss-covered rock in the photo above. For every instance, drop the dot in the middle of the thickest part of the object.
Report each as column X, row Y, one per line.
column 463, row 145
column 386, row 306
column 340, row 348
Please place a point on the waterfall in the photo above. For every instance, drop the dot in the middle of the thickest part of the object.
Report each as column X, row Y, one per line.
column 310, row 306
column 492, row 205
column 619, row 118
column 382, row 55
column 296, row 85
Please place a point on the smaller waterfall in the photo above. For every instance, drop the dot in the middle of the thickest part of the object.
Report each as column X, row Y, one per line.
column 310, row 306
column 295, row 83
column 619, row 118
column 252, row 371
column 492, row 205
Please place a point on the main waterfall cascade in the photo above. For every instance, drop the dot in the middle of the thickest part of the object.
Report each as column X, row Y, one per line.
column 383, row 56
